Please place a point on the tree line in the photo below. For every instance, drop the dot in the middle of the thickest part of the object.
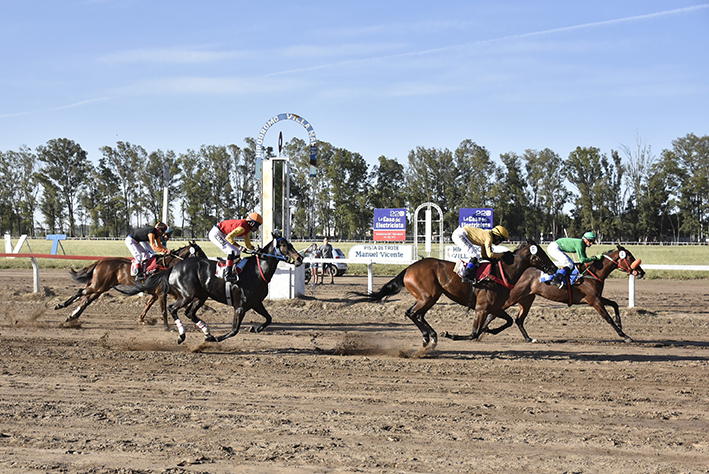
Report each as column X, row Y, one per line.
column 631, row 194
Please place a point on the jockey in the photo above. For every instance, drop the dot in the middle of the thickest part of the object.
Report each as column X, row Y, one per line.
column 559, row 249
column 167, row 236
column 477, row 243
column 224, row 235
column 144, row 243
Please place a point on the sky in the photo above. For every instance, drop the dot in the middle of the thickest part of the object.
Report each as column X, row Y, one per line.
column 377, row 78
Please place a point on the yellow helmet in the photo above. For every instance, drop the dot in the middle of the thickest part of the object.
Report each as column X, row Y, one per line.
column 256, row 217
column 501, row 231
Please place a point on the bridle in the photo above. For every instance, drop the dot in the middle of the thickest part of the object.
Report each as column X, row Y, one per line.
column 623, row 263
column 277, row 254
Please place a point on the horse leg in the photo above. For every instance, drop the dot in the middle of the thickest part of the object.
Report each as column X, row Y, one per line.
column 614, row 305
column 76, row 296
column 173, row 308
column 191, row 313
column 478, row 327
column 524, row 306
column 163, row 309
column 261, row 309
column 235, row 324
column 88, row 299
column 416, row 313
column 507, row 324
column 141, row 318
column 598, row 306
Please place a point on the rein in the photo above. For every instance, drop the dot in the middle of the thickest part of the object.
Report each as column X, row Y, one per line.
column 502, row 281
column 278, row 255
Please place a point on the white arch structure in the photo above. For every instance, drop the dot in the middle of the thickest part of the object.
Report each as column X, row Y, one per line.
column 274, row 120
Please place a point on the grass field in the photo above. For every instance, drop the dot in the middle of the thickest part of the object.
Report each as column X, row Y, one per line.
column 651, row 254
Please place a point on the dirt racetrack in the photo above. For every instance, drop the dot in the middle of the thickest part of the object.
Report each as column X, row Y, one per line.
column 331, row 388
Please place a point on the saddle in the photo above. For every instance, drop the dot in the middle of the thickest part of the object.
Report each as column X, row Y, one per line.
column 220, row 271
column 150, row 266
column 481, row 272
column 572, row 279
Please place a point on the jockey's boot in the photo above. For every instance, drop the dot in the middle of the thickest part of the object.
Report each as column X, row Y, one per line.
column 470, row 270
column 229, row 273
column 141, row 271
column 561, row 277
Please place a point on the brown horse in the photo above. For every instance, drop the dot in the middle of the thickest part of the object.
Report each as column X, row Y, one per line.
column 426, row 280
column 106, row 273
column 588, row 290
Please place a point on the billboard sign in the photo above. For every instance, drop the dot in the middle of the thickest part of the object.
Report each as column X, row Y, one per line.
column 475, row 216
column 390, row 225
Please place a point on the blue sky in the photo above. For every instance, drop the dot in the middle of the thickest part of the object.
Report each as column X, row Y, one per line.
column 377, row 78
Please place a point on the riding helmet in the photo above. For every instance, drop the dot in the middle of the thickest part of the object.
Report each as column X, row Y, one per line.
column 161, row 226
column 501, row 231
column 589, row 236
column 256, row 217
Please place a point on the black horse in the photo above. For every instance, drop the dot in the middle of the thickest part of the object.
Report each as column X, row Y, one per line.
column 193, row 281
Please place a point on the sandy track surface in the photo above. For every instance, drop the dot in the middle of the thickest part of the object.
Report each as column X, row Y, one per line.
column 332, row 388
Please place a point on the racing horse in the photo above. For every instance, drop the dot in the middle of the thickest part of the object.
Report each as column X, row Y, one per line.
column 193, row 281
column 430, row 278
column 588, row 291
column 101, row 276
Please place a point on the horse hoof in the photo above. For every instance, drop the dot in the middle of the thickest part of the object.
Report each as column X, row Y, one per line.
column 210, row 338
column 181, row 339
column 57, row 306
column 628, row 339
column 446, row 335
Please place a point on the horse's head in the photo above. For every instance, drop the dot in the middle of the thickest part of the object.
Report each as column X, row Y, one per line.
column 537, row 257
column 190, row 250
column 285, row 250
column 626, row 261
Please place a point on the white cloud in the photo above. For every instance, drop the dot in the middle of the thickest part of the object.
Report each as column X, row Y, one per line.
column 171, row 56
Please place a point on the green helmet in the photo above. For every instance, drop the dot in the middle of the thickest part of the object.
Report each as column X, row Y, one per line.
column 589, row 236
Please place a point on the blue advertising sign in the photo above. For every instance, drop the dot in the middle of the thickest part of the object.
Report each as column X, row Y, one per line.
column 475, row 216
column 390, row 224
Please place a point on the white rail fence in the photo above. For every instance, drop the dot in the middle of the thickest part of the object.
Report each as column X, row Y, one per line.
column 370, row 270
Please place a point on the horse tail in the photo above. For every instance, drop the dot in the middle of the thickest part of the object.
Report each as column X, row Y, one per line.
column 84, row 275
column 152, row 282
column 392, row 287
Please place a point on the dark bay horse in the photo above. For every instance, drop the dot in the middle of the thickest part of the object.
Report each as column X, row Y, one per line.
column 589, row 289
column 106, row 273
column 428, row 279
column 193, row 281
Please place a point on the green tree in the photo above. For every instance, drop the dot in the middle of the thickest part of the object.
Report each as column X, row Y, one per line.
column 548, row 192
column 388, row 184
column 432, row 176
column 126, row 160
column 196, row 191
column 63, row 176
column 510, row 197
column 153, row 183
column 243, row 182
column 584, row 170
column 348, row 176
column 18, row 190
column 641, row 216
column 692, row 154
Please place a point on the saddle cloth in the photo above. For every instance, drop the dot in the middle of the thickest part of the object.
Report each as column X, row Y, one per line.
column 222, row 264
column 546, row 277
column 482, row 272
